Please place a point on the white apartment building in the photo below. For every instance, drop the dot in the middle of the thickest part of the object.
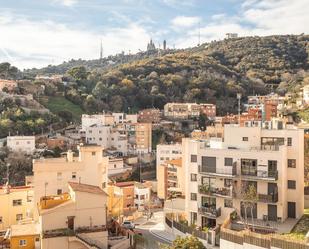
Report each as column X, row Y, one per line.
column 51, row 176
column 97, row 119
column 142, row 196
column 21, row 143
column 116, row 166
column 108, row 137
column 121, row 118
column 181, row 110
column 219, row 173
column 167, row 152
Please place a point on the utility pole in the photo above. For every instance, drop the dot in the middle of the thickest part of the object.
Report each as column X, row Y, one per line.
column 238, row 97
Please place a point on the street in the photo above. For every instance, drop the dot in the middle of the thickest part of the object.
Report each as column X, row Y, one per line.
column 153, row 232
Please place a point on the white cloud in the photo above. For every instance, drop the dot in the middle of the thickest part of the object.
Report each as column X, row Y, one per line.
column 185, row 21
column 67, row 3
column 36, row 44
column 177, row 3
column 257, row 17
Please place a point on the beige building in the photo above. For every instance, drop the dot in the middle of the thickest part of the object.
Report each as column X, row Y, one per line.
column 74, row 220
column 9, row 84
column 52, row 175
column 218, row 174
column 188, row 110
column 21, row 143
column 142, row 142
column 171, row 179
column 16, row 205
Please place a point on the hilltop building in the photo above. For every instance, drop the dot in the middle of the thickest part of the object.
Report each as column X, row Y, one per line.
column 21, row 143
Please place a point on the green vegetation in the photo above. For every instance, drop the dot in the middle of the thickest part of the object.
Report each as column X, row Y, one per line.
column 301, row 228
column 186, row 243
column 59, row 105
column 14, row 120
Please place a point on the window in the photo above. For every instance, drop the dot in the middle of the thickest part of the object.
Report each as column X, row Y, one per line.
column 17, row 202
column 289, row 141
column 100, row 139
column 59, row 176
column 28, row 142
column 103, row 185
column 22, row 242
column 115, row 166
column 228, row 183
column 291, row 184
column 1, row 219
column 245, row 139
column 228, row 161
column 59, row 191
column 193, row 196
column 193, row 177
column 19, row 217
column 193, row 158
column 291, row 163
column 93, row 153
column 73, row 175
column 228, row 203
column 193, row 217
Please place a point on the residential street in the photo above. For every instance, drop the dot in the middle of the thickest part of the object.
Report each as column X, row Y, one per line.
column 153, row 231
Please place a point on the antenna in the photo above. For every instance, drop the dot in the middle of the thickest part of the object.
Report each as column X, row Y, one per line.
column 199, row 34
column 101, row 51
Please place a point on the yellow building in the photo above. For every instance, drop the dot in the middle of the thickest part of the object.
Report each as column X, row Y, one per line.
column 115, row 200
column 16, row 205
column 25, row 236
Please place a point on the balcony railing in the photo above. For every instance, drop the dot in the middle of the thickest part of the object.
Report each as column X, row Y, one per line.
column 271, row 198
column 226, row 171
column 261, row 174
column 205, row 189
column 210, row 212
column 172, row 178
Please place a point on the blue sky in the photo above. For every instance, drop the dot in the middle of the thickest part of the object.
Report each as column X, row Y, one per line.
column 35, row 33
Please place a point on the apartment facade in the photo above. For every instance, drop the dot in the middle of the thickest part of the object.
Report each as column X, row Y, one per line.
column 188, row 110
column 21, row 143
column 149, row 116
column 141, row 140
column 218, row 174
column 16, row 205
column 97, row 119
column 171, row 179
column 109, row 137
column 141, row 196
column 51, row 176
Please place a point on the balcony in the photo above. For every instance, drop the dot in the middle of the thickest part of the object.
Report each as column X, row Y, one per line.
column 210, row 212
column 47, row 202
column 220, row 192
column 172, row 178
column 227, row 171
column 260, row 174
column 271, row 198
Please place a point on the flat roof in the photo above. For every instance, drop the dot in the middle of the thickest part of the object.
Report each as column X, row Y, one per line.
column 25, row 229
column 80, row 187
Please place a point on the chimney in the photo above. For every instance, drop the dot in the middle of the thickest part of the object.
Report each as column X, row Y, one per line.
column 70, row 156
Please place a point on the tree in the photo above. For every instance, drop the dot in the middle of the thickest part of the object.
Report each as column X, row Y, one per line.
column 78, row 73
column 250, row 198
column 188, row 242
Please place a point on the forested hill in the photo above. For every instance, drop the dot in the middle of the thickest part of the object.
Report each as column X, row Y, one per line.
column 213, row 72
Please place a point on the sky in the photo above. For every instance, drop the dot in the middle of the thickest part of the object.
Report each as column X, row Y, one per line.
column 36, row 33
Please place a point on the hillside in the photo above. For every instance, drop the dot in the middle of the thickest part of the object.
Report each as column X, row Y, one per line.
column 213, row 72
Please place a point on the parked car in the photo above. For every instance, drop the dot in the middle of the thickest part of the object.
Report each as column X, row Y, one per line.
column 128, row 224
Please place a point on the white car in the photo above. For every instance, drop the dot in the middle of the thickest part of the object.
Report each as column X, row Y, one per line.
column 128, row 224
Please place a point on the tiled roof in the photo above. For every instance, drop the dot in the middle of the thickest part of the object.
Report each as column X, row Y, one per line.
column 86, row 188
column 124, row 184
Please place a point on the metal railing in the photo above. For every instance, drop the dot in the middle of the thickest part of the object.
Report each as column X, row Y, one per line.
column 268, row 198
column 262, row 174
column 226, row 171
column 205, row 189
column 210, row 212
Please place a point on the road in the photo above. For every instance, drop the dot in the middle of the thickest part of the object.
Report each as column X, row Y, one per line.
column 153, row 232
